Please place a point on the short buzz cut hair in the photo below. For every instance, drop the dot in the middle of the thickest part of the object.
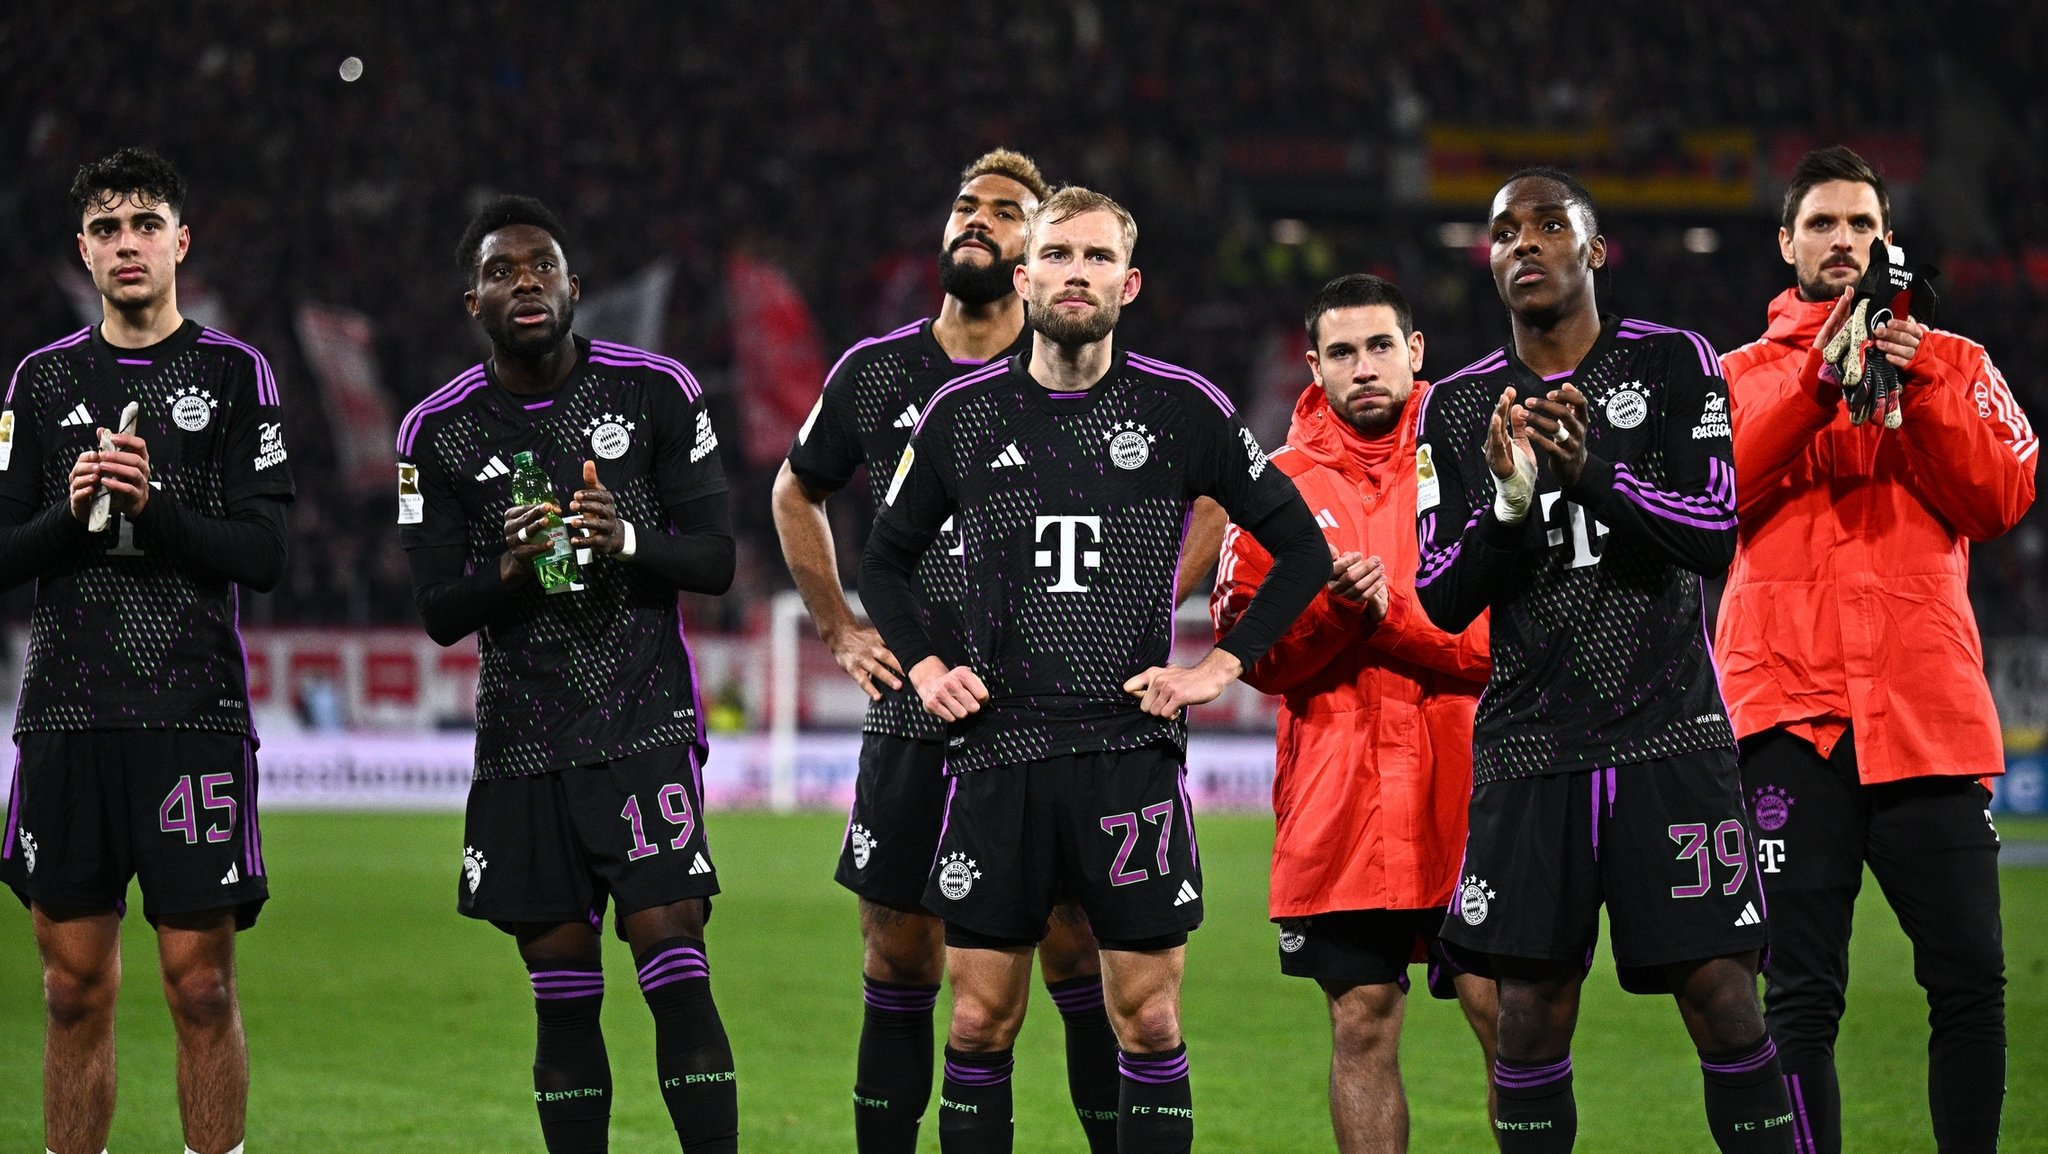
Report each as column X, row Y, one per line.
column 1357, row 290
column 1072, row 201
column 503, row 212
column 136, row 173
column 1835, row 162
column 1014, row 165
column 1576, row 193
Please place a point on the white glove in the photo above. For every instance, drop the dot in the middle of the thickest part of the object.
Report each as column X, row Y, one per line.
column 1512, row 495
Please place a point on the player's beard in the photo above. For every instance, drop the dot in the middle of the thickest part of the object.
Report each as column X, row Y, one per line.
column 972, row 285
column 1064, row 328
column 517, row 341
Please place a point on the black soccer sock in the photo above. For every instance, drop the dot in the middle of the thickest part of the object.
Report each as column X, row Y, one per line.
column 1156, row 1112
column 692, row 1058
column 974, row 1103
column 1092, row 1077
column 892, row 1082
column 1537, row 1113
column 1966, row 1094
column 1749, row 1109
column 572, row 1076
column 1816, row 1099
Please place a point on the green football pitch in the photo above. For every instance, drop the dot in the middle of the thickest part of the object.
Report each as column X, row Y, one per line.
column 380, row 1020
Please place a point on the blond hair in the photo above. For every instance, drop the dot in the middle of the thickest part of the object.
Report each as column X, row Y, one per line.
column 1014, row 165
column 1072, row 201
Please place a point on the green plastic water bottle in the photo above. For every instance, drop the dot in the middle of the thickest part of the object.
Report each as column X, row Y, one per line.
column 556, row 568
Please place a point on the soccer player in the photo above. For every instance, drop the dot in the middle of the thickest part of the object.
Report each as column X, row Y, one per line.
column 1069, row 470
column 1578, row 484
column 1854, row 673
column 589, row 740
column 136, row 753
column 871, row 399
column 1375, row 743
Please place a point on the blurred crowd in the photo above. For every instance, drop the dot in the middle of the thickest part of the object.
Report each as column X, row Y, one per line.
column 825, row 138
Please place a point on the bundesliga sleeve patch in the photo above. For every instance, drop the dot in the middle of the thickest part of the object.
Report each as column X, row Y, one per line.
column 412, row 508
column 1427, row 493
column 6, row 439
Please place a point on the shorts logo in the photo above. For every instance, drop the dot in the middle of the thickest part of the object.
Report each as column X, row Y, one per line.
column 610, row 435
column 864, row 845
column 473, row 864
column 956, row 875
column 192, row 408
column 28, row 850
column 1628, row 406
column 1772, row 807
column 1474, row 900
column 1291, row 941
column 1130, row 445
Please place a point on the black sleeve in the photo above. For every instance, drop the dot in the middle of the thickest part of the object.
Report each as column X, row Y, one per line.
column 1689, row 517
column 695, row 552
column 247, row 547
column 254, row 458
column 454, row 604
column 920, row 499
column 1226, row 463
column 827, row 448
column 1467, row 556
column 1301, row 563
column 32, row 543
column 686, row 464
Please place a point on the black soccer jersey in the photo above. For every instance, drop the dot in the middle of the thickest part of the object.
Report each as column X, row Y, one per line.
column 594, row 675
column 1600, row 653
column 872, row 399
column 123, row 636
column 1071, row 509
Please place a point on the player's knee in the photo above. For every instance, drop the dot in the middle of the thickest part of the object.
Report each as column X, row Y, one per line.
column 201, row 996
column 1149, row 1028
column 979, row 1027
column 1364, row 1022
column 75, row 996
column 1069, row 949
column 909, row 952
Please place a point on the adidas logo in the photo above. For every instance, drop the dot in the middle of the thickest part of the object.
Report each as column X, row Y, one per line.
column 700, row 866
column 907, row 418
column 1749, row 915
column 77, row 416
column 706, row 439
column 1186, row 895
column 496, row 467
column 1010, row 456
column 234, row 876
column 1326, row 519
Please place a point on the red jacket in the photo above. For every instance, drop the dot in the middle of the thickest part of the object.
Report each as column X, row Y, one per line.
column 1374, row 766
column 1847, row 602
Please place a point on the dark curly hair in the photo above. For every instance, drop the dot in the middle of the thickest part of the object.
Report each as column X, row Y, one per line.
column 136, row 173
column 503, row 212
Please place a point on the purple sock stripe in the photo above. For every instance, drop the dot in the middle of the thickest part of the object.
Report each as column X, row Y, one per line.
column 674, row 971
column 1762, row 1056
column 671, row 954
column 1153, row 1071
column 1088, row 997
column 1523, row 1077
column 566, row 974
column 566, row 995
column 901, row 1001
column 978, row 1075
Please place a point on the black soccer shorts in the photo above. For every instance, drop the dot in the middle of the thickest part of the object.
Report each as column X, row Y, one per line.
column 553, row 847
column 175, row 808
column 1664, row 844
column 892, row 832
column 1111, row 830
column 1367, row 948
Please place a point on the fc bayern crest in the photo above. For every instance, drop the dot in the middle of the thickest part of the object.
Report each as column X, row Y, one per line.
column 1291, row 940
column 610, row 435
column 1130, row 444
column 864, row 845
column 1772, row 807
column 1475, row 899
column 192, row 408
column 956, row 875
column 1627, row 407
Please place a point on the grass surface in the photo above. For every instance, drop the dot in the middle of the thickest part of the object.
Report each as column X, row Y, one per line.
column 380, row 1020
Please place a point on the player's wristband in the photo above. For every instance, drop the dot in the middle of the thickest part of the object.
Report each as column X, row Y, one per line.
column 631, row 544
column 1513, row 494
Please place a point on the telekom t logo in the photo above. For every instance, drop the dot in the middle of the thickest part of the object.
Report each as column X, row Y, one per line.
column 1069, row 550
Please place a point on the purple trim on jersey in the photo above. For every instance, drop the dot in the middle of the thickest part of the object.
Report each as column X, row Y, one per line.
column 1763, row 1056
column 677, row 964
column 946, row 819
column 266, row 381
column 900, row 1001
column 1497, row 359
column 132, row 361
column 1802, row 1132
column 559, row 985
column 1529, row 1077
column 869, row 342
column 547, row 404
column 1077, row 999
column 987, row 372
column 84, row 334
column 1175, row 372
column 1716, row 510
column 1433, row 562
column 966, row 361
column 445, row 397
column 252, row 833
column 1152, row 1069
column 1637, row 330
column 13, row 810
column 628, row 357
column 1067, row 396
column 700, row 745
column 1187, row 815
column 1559, row 376
column 962, row 1075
